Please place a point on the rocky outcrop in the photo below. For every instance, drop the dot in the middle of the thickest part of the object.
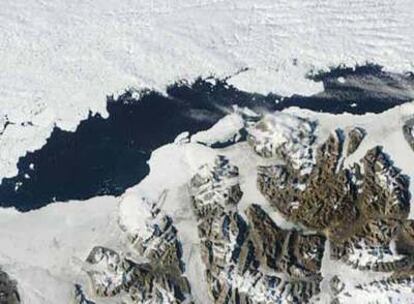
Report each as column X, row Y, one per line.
column 80, row 296
column 157, row 238
column 376, row 190
column 151, row 273
column 318, row 200
column 8, row 289
column 286, row 136
column 355, row 137
column 215, row 188
column 251, row 261
column 408, row 132
column 112, row 274
column 384, row 191
column 404, row 241
column 295, row 254
column 361, row 209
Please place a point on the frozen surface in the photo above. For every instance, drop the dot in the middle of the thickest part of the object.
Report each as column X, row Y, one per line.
column 60, row 59
column 225, row 130
column 285, row 135
column 44, row 249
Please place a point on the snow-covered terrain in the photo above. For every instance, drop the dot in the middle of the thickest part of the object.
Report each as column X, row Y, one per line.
column 60, row 59
column 226, row 130
column 44, row 249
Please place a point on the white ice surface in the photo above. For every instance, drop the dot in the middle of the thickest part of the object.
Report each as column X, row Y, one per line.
column 279, row 133
column 225, row 130
column 44, row 249
column 171, row 168
column 60, row 59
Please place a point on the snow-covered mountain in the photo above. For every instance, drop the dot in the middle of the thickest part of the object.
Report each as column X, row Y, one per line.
column 206, row 151
column 229, row 224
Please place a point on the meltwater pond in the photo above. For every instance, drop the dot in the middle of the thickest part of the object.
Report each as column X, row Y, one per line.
column 107, row 156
